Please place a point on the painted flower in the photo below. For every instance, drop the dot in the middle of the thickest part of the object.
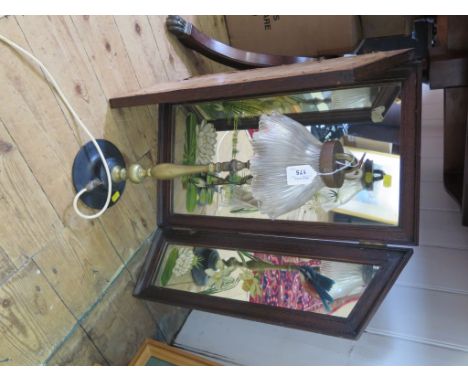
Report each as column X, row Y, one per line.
column 220, row 275
column 251, row 283
column 185, row 262
column 206, row 143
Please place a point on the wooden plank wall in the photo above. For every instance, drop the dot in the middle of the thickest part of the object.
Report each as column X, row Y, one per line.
column 65, row 283
column 422, row 321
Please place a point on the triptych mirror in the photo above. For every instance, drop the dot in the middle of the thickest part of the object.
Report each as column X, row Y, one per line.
column 310, row 174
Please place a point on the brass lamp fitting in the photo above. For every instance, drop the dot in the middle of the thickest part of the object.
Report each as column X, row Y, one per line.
column 164, row 171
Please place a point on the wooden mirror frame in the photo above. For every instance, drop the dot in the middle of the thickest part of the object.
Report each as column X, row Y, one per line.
column 384, row 98
column 405, row 233
column 390, row 260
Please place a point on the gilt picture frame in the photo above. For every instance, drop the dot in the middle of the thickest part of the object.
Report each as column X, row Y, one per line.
column 156, row 353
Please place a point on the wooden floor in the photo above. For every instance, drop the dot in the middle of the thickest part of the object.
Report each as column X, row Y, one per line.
column 65, row 283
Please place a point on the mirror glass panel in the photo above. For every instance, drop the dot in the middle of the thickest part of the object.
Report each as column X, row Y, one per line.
column 321, row 156
column 312, row 285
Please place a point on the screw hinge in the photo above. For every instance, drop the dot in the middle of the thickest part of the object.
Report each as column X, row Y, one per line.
column 373, row 244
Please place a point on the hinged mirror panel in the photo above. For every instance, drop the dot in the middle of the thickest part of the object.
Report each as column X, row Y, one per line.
column 331, row 163
column 302, row 283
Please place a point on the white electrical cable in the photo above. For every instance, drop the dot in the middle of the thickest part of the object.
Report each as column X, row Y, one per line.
column 80, row 123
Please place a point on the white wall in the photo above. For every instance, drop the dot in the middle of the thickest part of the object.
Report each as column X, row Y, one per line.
column 422, row 321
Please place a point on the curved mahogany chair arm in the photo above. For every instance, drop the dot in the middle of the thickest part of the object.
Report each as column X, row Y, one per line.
column 192, row 38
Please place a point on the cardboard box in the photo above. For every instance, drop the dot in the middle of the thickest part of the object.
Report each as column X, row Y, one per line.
column 382, row 26
column 295, row 35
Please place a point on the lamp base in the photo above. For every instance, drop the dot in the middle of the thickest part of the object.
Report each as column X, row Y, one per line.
column 88, row 166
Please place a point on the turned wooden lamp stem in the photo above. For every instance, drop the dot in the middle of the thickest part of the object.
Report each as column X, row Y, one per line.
column 165, row 171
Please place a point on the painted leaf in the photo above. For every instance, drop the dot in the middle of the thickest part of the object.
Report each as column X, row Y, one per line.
column 170, row 264
column 191, row 197
column 210, row 194
column 203, row 196
column 190, row 148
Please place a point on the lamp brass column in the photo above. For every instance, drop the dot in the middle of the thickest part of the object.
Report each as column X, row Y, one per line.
column 165, row 171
